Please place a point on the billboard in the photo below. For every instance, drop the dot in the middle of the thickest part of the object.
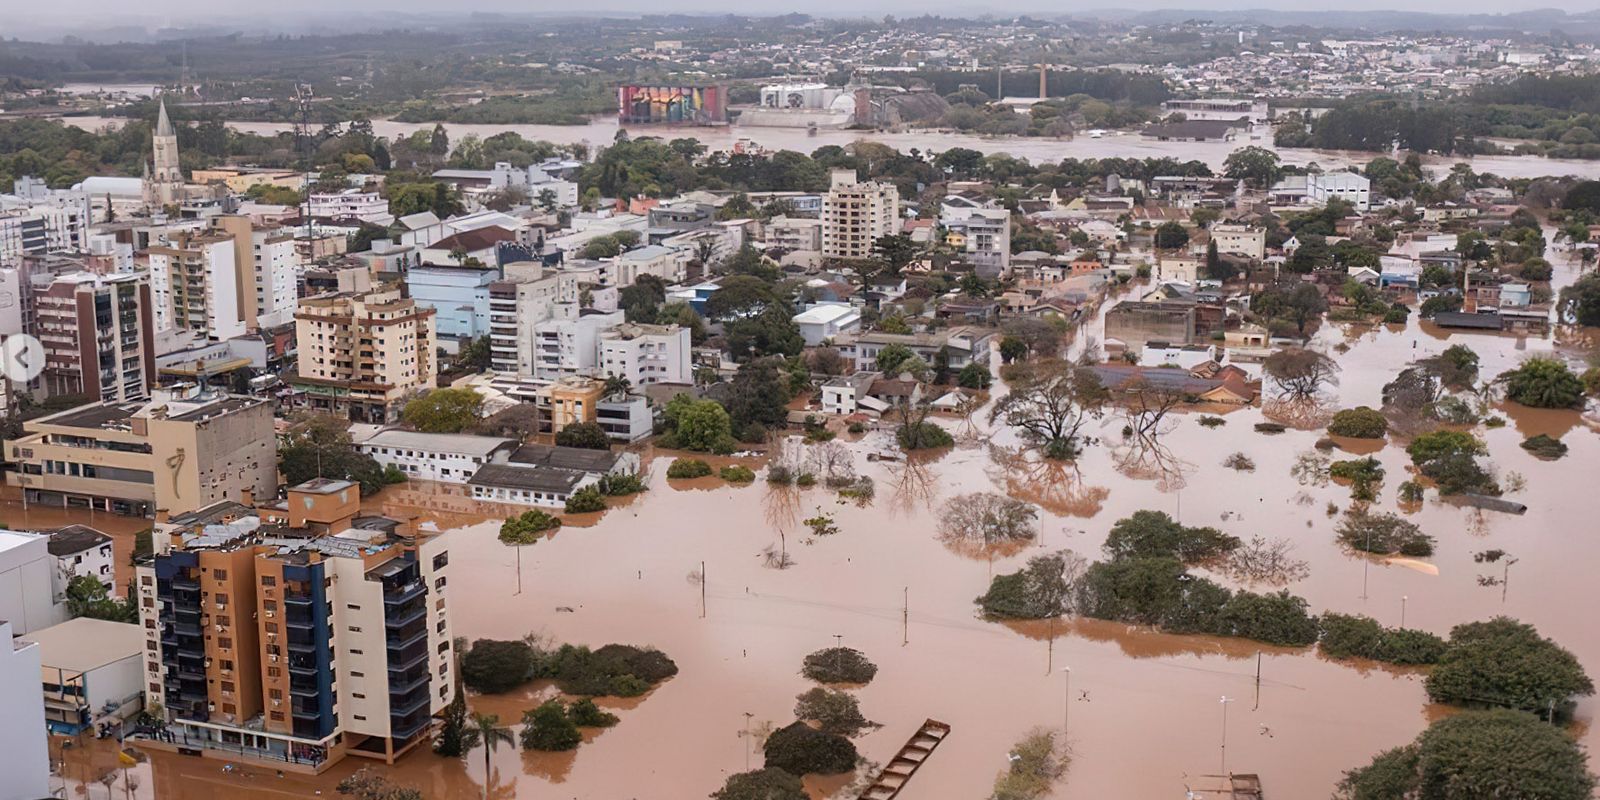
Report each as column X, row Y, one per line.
column 672, row 105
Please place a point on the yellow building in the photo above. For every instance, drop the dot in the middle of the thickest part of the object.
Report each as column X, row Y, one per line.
column 570, row 400
column 361, row 353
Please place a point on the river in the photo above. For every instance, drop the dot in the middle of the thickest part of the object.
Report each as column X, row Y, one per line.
column 1125, row 145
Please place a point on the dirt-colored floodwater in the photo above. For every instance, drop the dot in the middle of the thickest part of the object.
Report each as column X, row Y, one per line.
column 1144, row 709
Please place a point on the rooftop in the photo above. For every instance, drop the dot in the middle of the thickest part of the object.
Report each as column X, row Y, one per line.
column 573, row 458
column 75, row 539
column 84, row 644
column 526, row 476
column 463, row 443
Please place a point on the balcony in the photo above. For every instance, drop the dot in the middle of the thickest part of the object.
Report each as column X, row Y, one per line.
column 399, row 618
column 404, row 682
column 410, row 705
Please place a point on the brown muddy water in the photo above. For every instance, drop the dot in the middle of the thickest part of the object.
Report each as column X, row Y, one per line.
column 1143, row 709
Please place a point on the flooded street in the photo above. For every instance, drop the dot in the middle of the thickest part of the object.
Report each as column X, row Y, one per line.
column 603, row 130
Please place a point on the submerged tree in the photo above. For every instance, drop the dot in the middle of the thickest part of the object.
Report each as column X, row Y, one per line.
column 1301, row 374
column 984, row 522
column 1477, row 754
column 1051, row 403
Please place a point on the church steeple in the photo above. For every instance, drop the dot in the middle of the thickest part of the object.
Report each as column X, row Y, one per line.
column 163, row 123
column 164, row 183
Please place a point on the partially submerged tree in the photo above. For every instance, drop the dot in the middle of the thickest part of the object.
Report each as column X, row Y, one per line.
column 834, row 711
column 769, row 783
column 1045, row 588
column 838, row 665
column 1148, row 534
column 802, row 750
column 1300, row 374
column 1543, row 383
column 1503, row 662
column 1051, row 403
column 1478, row 754
column 984, row 522
column 1383, row 534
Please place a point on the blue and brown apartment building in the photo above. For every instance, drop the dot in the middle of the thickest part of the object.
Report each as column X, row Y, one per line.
column 296, row 633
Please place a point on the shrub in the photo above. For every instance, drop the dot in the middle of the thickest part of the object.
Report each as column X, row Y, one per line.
column 584, row 435
column 1408, row 646
column 805, row 479
column 1354, row 636
column 1239, row 462
column 585, row 714
column 1475, row 755
column 1503, row 662
column 613, row 670
column 1437, row 444
column 491, row 666
column 780, row 475
column 1544, row 383
column 1036, row 765
column 1209, row 421
column 1411, row 492
column 1545, row 447
column 762, row 784
column 735, row 473
column 1460, row 474
column 620, row 484
column 548, row 728
column 682, row 468
column 834, row 711
column 923, row 436
column 974, row 376
column 1364, row 475
column 527, row 526
column 1360, row 422
column 1148, row 534
column 586, row 500
column 1383, row 534
column 801, row 750
column 856, row 427
column 839, row 665
column 1278, row 618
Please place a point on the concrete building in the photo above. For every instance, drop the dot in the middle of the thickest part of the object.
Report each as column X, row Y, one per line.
column 81, row 550
column 350, row 204
column 296, row 634
column 856, row 213
column 28, row 584
column 646, row 354
column 843, row 394
column 545, row 475
column 38, row 230
column 962, row 345
column 195, row 283
column 1243, row 240
column 670, row 264
column 1351, row 187
column 458, row 295
column 91, row 671
column 444, row 457
column 794, row 234
column 825, row 321
column 360, row 353
column 1226, row 109
column 181, row 450
column 265, row 261
column 527, row 296
column 564, row 347
column 1134, row 323
column 98, row 333
column 24, row 747
column 985, row 236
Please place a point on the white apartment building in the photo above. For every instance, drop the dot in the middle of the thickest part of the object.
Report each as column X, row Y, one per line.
column 985, row 235
column 274, row 259
column 646, row 354
column 27, row 583
column 527, row 296
column 857, row 213
column 825, row 321
column 38, row 230
column 570, row 346
column 1348, row 186
column 444, row 457
column 81, row 550
column 361, row 353
column 842, row 395
column 1242, row 240
column 795, row 234
column 24, row 752
column 350, row 204
column 195, row 284
column 92, row 672
column 670, row 264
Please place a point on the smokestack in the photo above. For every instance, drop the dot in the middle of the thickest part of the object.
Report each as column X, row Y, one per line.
column 1043, row 94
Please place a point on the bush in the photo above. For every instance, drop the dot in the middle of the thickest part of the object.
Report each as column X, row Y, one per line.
column 923, row 436
column 800, row 750
column 1037, row 591
column 1278, row 618
column 492, row 667
column 974, row 376
column 585, row 714
column 762, row 784
column 684, row 468
column 834, row 711
column 1460, row 474
column 839, row 665
column 1479, row 754
column 1503, row 662
column 1364, row 475
column 1148, row 534
column 737, row 474
column 1346, row 636
column 1545, row 447
column 614, row 670
column 527, row 527
column 1383, row 534
column 584, row 435
column 780, row 475
column 1437, row 444
column 549, row 729
column 1360, row 422
column 1036, row 765
column 1209, row 421
column 620, row 484
column 1544, row 383
column 856, row 427
column 586, row 500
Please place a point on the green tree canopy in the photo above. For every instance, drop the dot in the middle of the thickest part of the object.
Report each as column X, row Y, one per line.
column 1479, row 754
column 444, row 410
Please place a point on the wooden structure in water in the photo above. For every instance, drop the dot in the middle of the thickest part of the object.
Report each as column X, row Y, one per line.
column 1232, row 786
column 1487, row 503
column 897, row 773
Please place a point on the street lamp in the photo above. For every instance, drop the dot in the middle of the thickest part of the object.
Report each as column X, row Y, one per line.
column 1066, row 703
column 1225, row 701
column 1403, row 599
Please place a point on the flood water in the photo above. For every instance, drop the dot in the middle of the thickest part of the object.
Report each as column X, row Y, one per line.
column 602, row 130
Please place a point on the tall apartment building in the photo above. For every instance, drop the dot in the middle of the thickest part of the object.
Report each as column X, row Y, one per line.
column 195, row 281
column 38, row 230
column 985, row 236
column 24, row 747
column 565, row 347
column 182, row 450
column 296, row 634
column 856, row 213
column 98, row 334
column 647, row 354
column 527, row 296
column 264, row 263
column 360, row 353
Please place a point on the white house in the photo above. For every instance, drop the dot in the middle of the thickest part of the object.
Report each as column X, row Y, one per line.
column 81, row 550
column 27, row 583
column 1243, row 240
column 24, row 751
column 350, row 204
column 843, row 394
column 824, row 321
column 646, row 354
column 1163, row 354
column 444, row 457
column 92, row 671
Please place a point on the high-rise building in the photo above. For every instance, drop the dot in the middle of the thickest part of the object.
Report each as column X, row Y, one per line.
column 527, row 296
column 24, row 747
column 163, row 185
column 182, row 450
column 647, row 354
column 856, row 213
column 195, row 283
column 296, row 633
column 98, row 334
column 264, row 265
column 360, row 353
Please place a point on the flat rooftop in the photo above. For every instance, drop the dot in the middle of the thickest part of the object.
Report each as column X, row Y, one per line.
column 84, row 644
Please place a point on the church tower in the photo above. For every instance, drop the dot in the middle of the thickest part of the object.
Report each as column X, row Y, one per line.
column 164, row 186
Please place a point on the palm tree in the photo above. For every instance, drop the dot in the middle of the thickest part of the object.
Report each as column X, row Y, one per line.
column 616, row 386
column 490, row 734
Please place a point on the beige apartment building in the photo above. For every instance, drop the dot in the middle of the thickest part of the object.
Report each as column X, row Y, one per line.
column 856, row 213
column 196, row 285
column 361, row 353
column 183, row 450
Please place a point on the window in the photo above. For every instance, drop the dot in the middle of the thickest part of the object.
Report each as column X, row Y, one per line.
column 358, row 695
column 225, row 642
column 355, row 652
column 444, row 646
column 439, row 561
column 355, row 674
column 355, row 629
column 227, row 686
column 227, row 665
column 352, row 606
column 221, row 575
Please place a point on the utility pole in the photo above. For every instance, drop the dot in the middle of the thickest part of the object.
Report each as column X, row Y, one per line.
column 1066, row 703
column 1258, row 679
column 747, row 716
column 1225, row 701
column 702, row 590
column 905, row 616
column 1403, row 599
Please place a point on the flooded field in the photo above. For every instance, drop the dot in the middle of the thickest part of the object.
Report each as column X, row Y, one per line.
column 602, row 130
column 1143, row 709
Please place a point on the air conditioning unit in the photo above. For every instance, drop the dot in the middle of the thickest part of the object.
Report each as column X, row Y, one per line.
column 274, row 658
column 269, row 614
